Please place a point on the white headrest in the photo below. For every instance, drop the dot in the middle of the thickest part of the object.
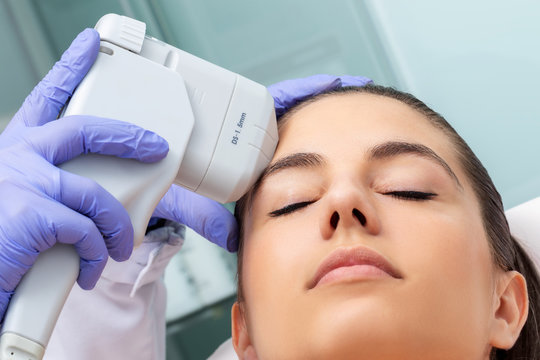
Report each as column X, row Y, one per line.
column 524, row 221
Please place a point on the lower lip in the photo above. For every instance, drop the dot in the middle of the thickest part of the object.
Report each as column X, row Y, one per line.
column 353, row 273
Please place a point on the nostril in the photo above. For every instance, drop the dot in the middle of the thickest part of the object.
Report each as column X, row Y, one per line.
column 334, row 220
column 359, row 216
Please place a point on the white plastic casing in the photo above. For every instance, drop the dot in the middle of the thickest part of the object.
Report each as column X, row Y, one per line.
column 37, row 302
column 245, row 146
column 122, row 31
column 221, row 131
column 235, row 131
column 125, row 86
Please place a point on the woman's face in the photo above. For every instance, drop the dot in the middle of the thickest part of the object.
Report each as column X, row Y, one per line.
column 365, row 240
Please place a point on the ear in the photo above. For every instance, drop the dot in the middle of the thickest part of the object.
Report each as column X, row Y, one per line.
column 240, row 337
column 510, row 311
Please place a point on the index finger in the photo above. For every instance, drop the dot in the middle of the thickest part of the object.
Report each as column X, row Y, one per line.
column 50, row 95
column 288, row 93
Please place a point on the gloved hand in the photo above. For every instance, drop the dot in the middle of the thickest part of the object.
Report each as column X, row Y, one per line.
column 42, row 204
column 288, row 93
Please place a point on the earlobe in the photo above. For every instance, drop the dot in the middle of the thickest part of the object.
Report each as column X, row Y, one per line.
column 240, row 337
column 510, row 311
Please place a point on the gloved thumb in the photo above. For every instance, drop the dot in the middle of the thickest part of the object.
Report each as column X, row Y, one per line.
column 207, row 217
column 50, row 95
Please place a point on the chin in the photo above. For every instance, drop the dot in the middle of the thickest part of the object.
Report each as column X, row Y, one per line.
column 355, row 334
column 373, row 329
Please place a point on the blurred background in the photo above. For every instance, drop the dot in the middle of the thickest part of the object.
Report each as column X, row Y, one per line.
column 476, row 62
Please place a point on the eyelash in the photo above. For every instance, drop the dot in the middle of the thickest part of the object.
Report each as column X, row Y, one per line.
column 411, row 195
column 290, row 208
column 403, row 195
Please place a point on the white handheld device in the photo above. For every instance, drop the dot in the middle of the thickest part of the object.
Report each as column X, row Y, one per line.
column 221, row 130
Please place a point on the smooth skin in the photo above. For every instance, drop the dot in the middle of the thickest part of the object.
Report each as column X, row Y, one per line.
column 451, row 302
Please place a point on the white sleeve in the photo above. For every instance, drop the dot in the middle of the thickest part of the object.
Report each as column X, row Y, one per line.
column 123, row 317
column 524, row 221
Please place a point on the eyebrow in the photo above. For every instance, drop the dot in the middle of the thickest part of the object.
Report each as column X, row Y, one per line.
column 394, row 148
column 382, row 151
column 296, row 160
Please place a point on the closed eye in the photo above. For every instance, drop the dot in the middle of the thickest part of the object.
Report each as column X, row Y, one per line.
column 290, row 208
column 411, row 195
column 403, row 195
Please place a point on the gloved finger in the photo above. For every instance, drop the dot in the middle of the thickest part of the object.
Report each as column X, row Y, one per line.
column 288, row 93
column 76, row 135
column 15, row 261
column 5, row 296
column 207, row 217
column 11, row 271
column 42, row 222
column 350, row 80
column 87, row 197
column 50, row 95
column 73, row 228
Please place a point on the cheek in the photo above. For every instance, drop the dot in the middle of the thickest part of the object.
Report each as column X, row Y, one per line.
column 274, row 275
column 269, row 255
column 454, row 248
column 448, row 262
column 277, row 249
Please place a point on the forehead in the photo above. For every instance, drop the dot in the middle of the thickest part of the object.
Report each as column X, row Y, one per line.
column 354, row 122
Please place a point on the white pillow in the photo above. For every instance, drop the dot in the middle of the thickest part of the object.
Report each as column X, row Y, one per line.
column 524, row 221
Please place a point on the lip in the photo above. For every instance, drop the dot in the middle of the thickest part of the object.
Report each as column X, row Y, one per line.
column 356, row 263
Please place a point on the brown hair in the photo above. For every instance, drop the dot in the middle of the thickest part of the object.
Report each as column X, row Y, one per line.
column 506, row 251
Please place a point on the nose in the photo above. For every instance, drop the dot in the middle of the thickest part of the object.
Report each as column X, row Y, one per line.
column 348, row 207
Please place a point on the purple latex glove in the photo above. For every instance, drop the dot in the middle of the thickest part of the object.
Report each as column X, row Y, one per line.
column 288, row 93
column 207, row 217
column 42, row 204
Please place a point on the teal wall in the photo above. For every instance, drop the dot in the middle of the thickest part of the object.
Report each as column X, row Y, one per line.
column 266, row 41
column 477, row 63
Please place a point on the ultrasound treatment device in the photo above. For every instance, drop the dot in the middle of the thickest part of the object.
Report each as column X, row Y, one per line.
column 221, row 129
